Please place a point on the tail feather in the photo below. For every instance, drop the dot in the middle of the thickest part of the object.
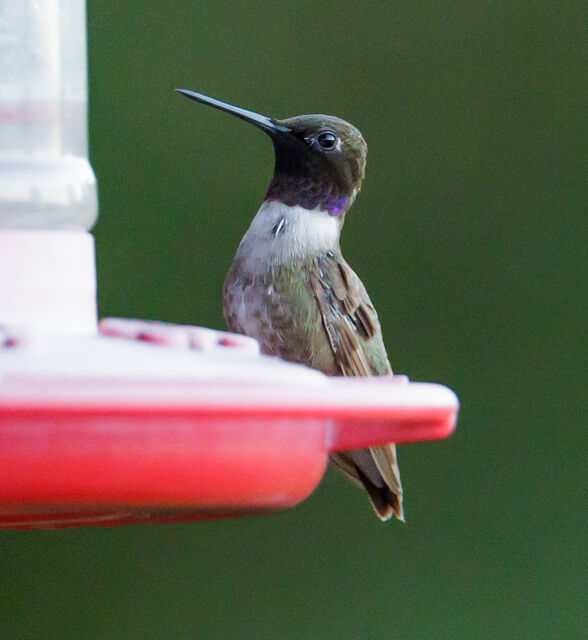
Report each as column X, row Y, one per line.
column 383, row 500
column 376, row 470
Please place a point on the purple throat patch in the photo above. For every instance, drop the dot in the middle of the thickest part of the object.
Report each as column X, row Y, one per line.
column 336, row 206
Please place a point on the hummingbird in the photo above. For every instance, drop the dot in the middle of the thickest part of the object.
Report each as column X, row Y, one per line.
column 289, row 286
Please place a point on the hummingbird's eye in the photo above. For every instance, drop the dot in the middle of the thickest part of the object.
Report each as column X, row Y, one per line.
column 327, row 140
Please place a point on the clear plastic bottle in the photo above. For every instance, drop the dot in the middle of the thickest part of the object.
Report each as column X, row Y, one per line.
column 46, row 181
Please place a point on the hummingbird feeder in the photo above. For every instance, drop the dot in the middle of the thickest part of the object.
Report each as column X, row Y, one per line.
column 128, row 421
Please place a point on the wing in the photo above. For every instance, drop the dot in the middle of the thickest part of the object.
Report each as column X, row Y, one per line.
column 348, row 318
column 351, row 324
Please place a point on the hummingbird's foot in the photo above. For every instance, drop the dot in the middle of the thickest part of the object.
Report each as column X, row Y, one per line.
column 12, row 337
column 175, row 335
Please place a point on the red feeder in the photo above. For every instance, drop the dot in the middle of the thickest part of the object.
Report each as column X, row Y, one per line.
column 103, row 431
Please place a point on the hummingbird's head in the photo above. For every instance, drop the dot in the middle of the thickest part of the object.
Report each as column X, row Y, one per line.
column 320, row 160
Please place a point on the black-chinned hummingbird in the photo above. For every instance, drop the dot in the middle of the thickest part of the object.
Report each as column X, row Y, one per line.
column 289, row 285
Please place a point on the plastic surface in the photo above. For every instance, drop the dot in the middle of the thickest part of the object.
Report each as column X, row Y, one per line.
column 48, row 281
column 102, row 431
column 45, row 178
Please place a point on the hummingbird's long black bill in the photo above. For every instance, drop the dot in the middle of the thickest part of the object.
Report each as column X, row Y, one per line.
column 267, row 124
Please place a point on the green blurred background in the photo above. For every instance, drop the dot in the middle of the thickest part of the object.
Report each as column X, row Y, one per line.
column 468, row 235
